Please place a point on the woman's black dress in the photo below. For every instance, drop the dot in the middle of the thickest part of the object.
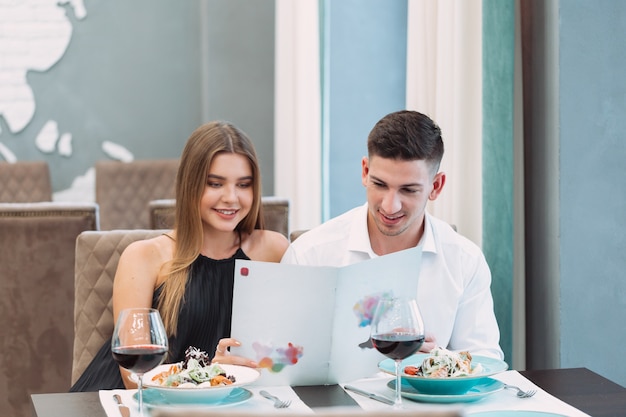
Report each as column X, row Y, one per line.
column 204, row 319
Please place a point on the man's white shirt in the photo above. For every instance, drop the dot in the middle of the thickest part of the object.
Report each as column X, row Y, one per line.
column 454, row 283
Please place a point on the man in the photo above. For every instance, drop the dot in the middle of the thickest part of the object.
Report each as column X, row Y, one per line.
column 401, row 174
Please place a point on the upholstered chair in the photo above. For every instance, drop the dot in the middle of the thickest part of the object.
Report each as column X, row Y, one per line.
column 275, row 213
column 97, row 255
column 37, row 298
column 25, row 182
column 162, row 213
column 296, row 234
column 124, row 189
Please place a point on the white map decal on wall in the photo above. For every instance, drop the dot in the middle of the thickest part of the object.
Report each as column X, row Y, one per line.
column 48, row 140
column 34, row 35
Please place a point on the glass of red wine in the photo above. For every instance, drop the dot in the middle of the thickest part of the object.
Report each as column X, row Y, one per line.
column 397, row 332
column 139, row 343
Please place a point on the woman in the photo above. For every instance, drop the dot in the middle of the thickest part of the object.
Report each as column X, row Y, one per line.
column 188, row 273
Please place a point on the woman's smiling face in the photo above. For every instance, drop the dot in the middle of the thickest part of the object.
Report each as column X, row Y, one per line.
column 228, row 193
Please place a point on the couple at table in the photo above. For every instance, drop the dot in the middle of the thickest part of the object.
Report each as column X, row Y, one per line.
column 188, row 273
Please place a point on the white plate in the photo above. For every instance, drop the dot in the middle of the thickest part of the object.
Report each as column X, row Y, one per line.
column 480, row 390
column 445, row 386
column 243, row 376
column 155, row 399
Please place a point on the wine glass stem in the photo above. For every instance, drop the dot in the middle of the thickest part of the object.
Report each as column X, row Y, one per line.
column 398, row 401
column 140, row 393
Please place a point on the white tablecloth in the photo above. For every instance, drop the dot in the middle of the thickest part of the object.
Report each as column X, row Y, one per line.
column 501, row 400
column 256, row 403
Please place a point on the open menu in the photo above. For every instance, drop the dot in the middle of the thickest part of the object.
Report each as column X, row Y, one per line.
column 310, row 325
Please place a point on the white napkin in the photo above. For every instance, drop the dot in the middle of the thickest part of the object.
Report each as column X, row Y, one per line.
column 256, row 403
column 501, row 400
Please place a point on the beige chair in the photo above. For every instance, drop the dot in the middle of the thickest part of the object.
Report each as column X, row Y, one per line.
column 37, row 298
column 162, row 213
column 124, row 189
column 296, row 234
column 97, row 255
column 275, row 213
column 25, row 182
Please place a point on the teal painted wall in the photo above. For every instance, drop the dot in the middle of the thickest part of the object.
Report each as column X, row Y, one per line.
column 145, row 74
column 592, row 84
column 498, row 71
column 367, row 80
column 239, row 39
column 130, row 75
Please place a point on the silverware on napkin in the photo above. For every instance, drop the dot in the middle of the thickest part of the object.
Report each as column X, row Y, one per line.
column 278, row 403
column 124, row 410
column 369, row 394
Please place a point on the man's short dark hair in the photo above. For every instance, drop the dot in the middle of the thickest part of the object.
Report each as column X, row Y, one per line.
column 406, row 135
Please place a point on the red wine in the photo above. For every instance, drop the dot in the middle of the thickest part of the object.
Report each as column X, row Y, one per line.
column 139, row 359
column 397, row 345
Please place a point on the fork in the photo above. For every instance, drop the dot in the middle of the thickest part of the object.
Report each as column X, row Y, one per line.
column 520, row 392
column 278, row 403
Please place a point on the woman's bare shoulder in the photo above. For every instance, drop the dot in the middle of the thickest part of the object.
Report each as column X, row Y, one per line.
column 160, row 248
column 266, row 245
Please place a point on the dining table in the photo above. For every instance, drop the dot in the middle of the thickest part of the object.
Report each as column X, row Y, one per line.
column 578, row 389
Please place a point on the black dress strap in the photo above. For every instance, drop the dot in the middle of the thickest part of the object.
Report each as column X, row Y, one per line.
column 203, row 320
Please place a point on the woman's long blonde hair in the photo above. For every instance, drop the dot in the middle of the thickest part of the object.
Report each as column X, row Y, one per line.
column 203, row 145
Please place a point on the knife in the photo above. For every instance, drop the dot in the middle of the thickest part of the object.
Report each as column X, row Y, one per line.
column 124, row 410
column 369, row 394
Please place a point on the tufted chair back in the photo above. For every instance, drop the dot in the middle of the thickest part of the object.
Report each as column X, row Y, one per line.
column 124, row 189
column 276, row 214
column 25, row 182
column 97, row 255
column 162, row 213
column 37, row 298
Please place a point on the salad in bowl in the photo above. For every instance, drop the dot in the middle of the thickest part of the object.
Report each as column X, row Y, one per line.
column 198, row 380
column 444, row 372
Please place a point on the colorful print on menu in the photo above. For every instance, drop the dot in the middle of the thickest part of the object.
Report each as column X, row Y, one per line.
column 276, row 358
column 364, row 308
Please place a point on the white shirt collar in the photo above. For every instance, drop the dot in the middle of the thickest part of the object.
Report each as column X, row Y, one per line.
column 428, row 238
column 359, row 240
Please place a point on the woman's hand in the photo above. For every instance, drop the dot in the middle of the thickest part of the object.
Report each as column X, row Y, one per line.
column 222, row 354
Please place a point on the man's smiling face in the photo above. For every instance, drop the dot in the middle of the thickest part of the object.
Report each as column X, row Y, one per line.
column 397, row 194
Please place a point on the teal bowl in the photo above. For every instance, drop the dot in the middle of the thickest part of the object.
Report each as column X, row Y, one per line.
column 445, row 386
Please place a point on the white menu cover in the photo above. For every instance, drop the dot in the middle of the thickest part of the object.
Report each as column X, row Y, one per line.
column 308, row 325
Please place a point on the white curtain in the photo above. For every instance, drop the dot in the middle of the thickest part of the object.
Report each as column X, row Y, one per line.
column 297, row 123
column 444, row 81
